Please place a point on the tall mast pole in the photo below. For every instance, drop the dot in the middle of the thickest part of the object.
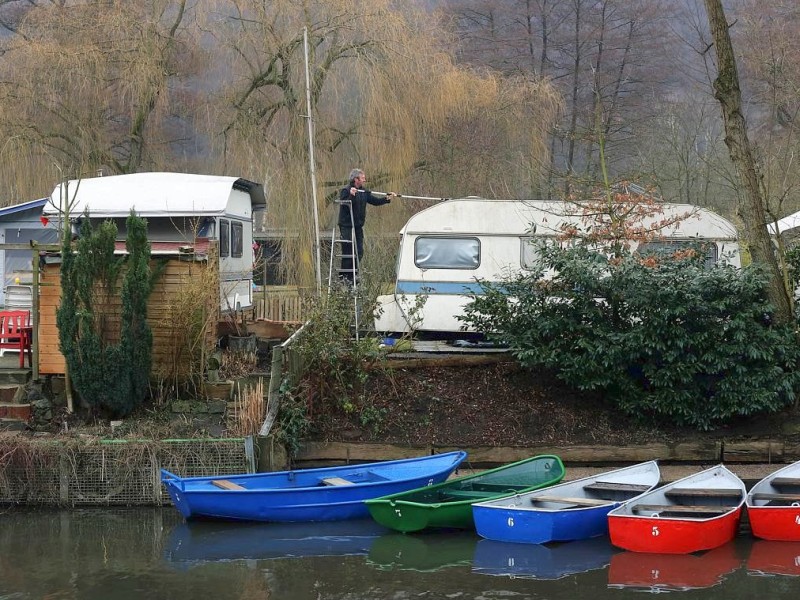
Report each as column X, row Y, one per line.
column 312, row 165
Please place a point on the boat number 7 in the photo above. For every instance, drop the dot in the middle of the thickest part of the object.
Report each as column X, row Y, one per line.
column 655, row 531
column 510, row 521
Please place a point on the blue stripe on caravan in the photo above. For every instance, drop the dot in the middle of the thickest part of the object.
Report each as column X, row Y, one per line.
column 452, row 288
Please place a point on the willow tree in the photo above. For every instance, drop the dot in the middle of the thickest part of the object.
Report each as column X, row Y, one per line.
column 93, row 85
column 386, row 96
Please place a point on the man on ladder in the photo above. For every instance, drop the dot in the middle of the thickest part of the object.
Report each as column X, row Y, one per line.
column 353, row 200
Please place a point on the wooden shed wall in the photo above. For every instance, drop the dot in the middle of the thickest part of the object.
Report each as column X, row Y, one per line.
column 176, row 275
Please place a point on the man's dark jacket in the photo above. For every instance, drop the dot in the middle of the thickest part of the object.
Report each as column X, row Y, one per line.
column 359, row 201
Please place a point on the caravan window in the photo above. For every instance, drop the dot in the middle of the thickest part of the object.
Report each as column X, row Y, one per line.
column 447, row 253
column 237, row 232
column 224, row 237
column 529, row 250
column 529, row 253
column 666, row 247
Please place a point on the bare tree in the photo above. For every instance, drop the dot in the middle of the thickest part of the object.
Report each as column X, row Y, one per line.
column 751, row 209
column 607, row 58
column 768, row 38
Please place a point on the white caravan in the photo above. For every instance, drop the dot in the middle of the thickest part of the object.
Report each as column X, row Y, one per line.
column 184, row 212
column 447, row 248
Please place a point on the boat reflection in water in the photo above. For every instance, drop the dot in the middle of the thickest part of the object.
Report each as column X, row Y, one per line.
column 662, row 572
column 538, row 561
column 424, row 551
column 774, row 558
column 204, row 541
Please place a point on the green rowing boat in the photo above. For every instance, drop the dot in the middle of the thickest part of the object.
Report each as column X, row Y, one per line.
column 449, row 504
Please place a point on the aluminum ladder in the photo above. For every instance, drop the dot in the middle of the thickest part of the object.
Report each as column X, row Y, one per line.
column 343, row 253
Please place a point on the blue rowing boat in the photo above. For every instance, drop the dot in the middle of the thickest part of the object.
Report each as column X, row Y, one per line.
column 575, row 510
column 325, row 494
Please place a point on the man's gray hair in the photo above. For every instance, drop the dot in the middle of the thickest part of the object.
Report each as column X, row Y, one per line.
column 355, row 173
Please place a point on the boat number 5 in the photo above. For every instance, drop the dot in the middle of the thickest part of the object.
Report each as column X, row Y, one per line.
column 655, row 531
column 397, row 512
column 510, row 521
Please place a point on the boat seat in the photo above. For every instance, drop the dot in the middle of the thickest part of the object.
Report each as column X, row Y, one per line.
column 680, row 509
column 777, row 497
column 497, row 488
column 575, row 501
column 452, row 495
column 226, row 485
column 610, row 486
column 703, row 493
column 786, row 482
column 336, row 481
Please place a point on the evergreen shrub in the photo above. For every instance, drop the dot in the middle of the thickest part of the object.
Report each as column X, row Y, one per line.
column 108, row 356
column 666, row 339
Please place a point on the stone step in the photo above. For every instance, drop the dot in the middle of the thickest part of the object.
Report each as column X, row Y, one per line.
column 221, row 390
column 11, row 410
column 14, row 376
column 12, row 392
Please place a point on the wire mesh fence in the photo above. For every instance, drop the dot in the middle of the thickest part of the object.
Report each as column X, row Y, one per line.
column 111, row 472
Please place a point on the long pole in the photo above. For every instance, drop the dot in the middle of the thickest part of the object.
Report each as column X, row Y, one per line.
column 312, row 166
column 407, row 197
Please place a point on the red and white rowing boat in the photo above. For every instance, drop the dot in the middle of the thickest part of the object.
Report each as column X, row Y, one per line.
column 699, row 512
column 773, row 505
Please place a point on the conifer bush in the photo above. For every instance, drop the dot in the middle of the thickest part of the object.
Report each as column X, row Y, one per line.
column 108, row 358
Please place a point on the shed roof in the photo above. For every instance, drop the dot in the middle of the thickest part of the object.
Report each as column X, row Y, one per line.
column 18, row 208
column 152, row 195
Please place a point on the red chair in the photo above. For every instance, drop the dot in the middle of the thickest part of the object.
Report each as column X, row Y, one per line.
column 16, row 333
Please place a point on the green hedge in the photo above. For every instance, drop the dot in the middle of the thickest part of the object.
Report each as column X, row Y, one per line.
column 664, row 339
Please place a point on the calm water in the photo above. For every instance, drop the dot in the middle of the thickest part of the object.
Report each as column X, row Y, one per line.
column 115, row 554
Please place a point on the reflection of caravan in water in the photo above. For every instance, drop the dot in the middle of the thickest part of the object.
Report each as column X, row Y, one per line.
column 447, row 248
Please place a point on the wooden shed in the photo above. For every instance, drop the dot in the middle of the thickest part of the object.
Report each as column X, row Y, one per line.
column 187, row 279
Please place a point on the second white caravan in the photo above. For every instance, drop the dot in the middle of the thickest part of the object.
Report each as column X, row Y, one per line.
column 445, row 250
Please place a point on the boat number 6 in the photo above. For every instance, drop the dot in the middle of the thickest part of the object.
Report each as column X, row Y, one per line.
column 510, row 521
column 655, row 531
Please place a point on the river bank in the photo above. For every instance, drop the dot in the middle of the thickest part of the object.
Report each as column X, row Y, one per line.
column 489, row 408
column 495, row 404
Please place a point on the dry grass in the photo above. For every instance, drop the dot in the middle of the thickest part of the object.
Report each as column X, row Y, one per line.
column 251, row 407
column 234, row 364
